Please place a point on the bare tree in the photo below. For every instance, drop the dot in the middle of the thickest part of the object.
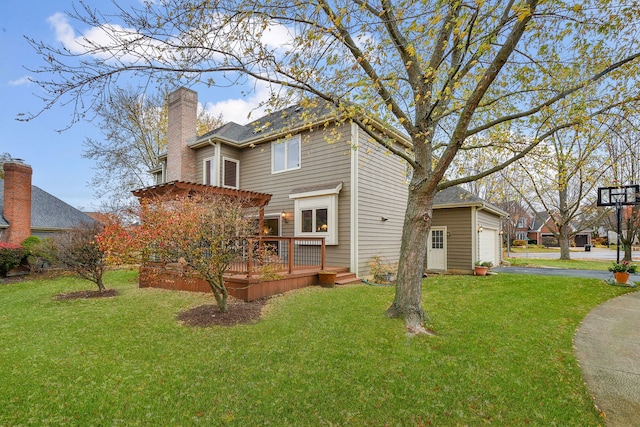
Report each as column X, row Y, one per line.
column 134, row 135
column 78, row 251
column 563, row 175
column 445, row 73
column 624, row 153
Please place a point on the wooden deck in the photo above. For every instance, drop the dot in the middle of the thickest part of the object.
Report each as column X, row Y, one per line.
column 239, row 285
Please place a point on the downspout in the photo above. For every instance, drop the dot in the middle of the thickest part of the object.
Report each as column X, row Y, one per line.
column 353, row 205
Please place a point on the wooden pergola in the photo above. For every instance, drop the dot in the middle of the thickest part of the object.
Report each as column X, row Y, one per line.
column 248, row 199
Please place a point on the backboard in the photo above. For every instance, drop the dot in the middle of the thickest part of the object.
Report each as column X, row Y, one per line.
column 622, row 194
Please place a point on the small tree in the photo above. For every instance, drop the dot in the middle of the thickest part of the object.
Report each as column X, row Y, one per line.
column 10, row 256
column 200, row 232
column 79, row 252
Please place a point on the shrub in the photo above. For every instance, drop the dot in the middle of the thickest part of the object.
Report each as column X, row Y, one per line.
column 40, row 253
column 518, row 242
column 79, row 253
column 381, row 269
column 10, row 256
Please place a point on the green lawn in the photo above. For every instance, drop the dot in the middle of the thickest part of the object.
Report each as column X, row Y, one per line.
column 575, row 264
column 503, row 356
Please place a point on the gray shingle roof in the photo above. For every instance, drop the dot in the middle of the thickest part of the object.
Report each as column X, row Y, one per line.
column 458, row 196
column 454, row 196
column 539, row 220
column 272, row 123
column 47, row 211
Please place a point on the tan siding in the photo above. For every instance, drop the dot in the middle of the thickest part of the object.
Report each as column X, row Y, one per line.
column 488, row 219
column 459, row 236
column 382, row 192
column 321, row 162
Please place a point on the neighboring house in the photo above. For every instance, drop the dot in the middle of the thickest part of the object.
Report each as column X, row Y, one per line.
column 26, row 210
column 325, row 178
column 542, row 229
column 517, row 224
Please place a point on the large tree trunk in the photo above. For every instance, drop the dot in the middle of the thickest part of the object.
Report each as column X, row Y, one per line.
column 408, row 298
column 564, row 240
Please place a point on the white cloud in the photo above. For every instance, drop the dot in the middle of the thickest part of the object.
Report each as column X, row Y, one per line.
column 238, row 109
column 104, row 42
column 24, row 80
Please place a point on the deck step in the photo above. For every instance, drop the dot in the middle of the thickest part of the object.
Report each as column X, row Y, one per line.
column 345, row 278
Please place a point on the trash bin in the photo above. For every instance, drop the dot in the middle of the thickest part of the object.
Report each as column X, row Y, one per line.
column 587, row 248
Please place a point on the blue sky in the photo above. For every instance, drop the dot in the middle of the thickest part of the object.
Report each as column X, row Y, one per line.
column 56, row 157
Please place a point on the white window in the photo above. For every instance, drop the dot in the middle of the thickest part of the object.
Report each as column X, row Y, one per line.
column 230, row 173
column 285, row 155
column 316, row 213
column 209, row 171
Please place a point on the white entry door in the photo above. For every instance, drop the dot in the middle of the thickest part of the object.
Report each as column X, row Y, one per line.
column 437, row 249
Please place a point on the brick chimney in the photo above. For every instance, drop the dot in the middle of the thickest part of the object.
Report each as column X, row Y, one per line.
column 183, row 112
column 17, row 201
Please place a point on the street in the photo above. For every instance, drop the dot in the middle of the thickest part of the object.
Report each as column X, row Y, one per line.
column 578, row 253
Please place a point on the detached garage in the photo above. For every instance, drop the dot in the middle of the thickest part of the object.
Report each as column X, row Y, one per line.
column 465, row 229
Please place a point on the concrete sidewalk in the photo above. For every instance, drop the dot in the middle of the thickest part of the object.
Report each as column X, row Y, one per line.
column 607, row 346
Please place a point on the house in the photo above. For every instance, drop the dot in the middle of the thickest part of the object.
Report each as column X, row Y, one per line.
column 542, row 229
column 26, row 210
column 516, row 224
column 325, row 178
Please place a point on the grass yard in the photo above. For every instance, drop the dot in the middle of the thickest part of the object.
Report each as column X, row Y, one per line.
column 503, row 356
column 575, row 264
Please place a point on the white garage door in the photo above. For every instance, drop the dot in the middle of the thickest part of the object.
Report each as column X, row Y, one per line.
column 488, row 246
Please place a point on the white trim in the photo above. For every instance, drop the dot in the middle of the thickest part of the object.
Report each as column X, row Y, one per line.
column 215, row 161
column 223, row 171
column 316, row 193
column 286, row 154
column 328, row 202
column 354, row 258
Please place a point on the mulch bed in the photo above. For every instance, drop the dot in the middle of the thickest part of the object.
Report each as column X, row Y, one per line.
column 85, row 295
column 238, row 312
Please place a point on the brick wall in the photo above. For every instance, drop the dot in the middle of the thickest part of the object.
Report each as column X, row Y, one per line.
column 183, row 111
column 17, row 201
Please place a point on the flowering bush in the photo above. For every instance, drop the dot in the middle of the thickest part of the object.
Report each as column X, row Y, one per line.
column 10, row 256
column 623, row 267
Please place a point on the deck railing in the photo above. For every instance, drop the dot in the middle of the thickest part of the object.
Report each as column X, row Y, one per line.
column 278, row 254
